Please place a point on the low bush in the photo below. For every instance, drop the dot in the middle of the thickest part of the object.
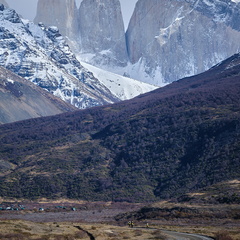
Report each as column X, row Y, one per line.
column 223, row 235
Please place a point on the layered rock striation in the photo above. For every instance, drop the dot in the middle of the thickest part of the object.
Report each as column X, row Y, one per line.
column 41, row 55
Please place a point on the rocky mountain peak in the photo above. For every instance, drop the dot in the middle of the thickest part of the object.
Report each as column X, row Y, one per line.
column 102, row 31
column 96, row 29
column 59, row 13
column 41, row 55
column 173, row 39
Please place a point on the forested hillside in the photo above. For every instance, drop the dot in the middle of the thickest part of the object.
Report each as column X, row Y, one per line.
column 162, row 144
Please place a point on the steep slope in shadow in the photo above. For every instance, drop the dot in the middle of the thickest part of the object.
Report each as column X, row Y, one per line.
column 174, row 140
column 20, row 99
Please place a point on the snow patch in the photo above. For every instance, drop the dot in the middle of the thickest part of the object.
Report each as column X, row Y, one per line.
column 10, row 80
column 122, row 87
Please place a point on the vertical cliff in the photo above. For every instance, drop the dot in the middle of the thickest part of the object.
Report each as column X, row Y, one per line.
column 174, row 39
column 62, row 14
column 102, row 31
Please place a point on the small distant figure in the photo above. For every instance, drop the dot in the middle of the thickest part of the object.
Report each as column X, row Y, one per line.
column 130, row 224
column 147, row 225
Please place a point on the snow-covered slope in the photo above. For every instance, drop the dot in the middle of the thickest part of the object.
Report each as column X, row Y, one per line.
column 166, row 40
column 122, row 87
column 41, row 55
column 20, row 99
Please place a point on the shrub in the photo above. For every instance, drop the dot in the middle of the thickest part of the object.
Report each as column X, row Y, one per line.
column 223, row 235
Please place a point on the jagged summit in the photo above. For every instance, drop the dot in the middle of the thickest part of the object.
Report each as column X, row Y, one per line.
column 96, row 29
column 166, row 40
column 41, row 55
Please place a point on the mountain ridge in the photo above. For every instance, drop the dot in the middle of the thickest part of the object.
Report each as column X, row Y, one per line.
column 165, row 41
column 21, row 99
column 42, row 55
column 161, row 144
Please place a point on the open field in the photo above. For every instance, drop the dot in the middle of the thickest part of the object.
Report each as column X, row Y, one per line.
column 63, row 230
column 109, row 221
column 19, row 229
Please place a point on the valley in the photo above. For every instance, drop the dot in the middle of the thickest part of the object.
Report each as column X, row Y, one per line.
column 89, row 154
column 100, row 221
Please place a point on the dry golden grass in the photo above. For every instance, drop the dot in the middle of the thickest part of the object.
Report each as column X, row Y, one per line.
column 32, row 230
column 21, row 230
column 18, row 229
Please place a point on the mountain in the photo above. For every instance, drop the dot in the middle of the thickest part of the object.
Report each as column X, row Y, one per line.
column 41, row 55
column 20, row 99
column 173, row 39
column 96, row 29
column 102, row 32
column 162, row 144
column 123, row 87
column 164, row 41
column 59, row 13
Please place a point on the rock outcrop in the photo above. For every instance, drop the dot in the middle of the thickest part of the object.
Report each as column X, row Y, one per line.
column 102, row 32
column 96, row 29
column 62, row 14
column 41, row 55
column 173, row 39
column 4, row 3
column 20, row 99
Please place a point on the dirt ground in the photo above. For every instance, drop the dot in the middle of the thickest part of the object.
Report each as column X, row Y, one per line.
column 88, row 220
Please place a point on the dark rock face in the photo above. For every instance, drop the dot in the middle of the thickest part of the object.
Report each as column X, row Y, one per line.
column 20, row 99
column 102, row 31
column 4, row 3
